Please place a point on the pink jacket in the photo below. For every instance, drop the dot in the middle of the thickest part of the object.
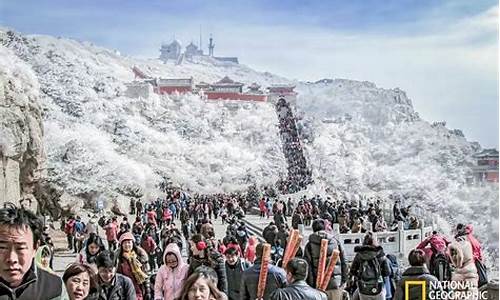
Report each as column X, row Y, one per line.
column 169, row 281
column 437, row 242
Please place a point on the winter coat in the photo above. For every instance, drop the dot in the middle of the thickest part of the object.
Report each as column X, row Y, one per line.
column 296, row 220
column 437, row 242
column 298, row 290
column 123, row 267
column 111, row 231
column 169, row 281
column 121, row 289
column 368, row 252
column 216, row 262
column 234, row 274
column 276, row 278
column 311, row 255
column 415, row 273
column 462, row 258
column 36, row 284
column 250, row 251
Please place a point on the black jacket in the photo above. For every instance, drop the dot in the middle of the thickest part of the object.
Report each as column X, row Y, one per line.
column 37, row 284
column 298, row 290
column 276, row 278
column 311, row 255
column 415, row 273
column 234, row 274
column 366, row 252
column 216, row 262
column 121, row 289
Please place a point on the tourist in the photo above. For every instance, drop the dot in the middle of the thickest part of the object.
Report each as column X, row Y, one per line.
column 93, row 245
column 276, row 278
column 296, row 274
column 369, row 267
column 311, row 255
column 132, row 261
column 19, row 237
column 416, row 272
column 200, row 287
column 235, row 266
column 112, row 286
column 80, row 282
column 171, row 275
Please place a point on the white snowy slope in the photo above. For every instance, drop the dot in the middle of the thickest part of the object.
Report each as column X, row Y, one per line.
column 370, row 140
column 360, row 137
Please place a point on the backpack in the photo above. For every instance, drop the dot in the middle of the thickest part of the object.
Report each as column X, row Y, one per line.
column 440, row 266
column 370, row 281
column 395, row 269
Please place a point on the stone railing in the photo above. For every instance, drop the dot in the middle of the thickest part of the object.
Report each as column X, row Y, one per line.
column 399, row 242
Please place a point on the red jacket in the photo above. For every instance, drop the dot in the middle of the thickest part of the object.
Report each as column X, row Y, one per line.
column 111, row 231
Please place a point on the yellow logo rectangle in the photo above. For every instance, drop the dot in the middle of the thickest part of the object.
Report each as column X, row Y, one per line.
column 414, row 282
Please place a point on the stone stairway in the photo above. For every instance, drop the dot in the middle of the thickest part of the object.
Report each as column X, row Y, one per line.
column 299, row 174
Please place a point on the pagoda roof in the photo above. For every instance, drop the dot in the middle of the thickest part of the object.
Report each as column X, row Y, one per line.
column 487, row 153
column 226, row 81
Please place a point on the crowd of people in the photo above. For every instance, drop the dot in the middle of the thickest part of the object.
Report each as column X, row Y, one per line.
column 153, row 258
column 299, row 175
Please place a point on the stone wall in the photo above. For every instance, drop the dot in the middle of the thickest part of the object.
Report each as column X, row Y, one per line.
column 21, row 130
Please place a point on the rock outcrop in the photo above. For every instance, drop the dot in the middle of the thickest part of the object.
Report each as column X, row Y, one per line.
column 21, row 131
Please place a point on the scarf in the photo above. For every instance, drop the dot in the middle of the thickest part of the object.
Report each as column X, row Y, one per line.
column 136, row 267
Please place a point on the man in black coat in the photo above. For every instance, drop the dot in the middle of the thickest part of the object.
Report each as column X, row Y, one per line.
column 311, row 255
column 235, row 266
column 20, row 278
column 296, row 273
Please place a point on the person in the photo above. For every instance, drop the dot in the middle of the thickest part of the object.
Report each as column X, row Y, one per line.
column 296, row 274
column 203, row 252
column 112, row 286
column 80, row 281
column 462, row 259
column 93, row 246
column 20, row 232
column 312, row 252
column 111, row 230
column 199, row 286
column 434, row 248
column 69, row 230
column 416, row 272
column 250, row 250
column 42, row 258
column 171, row 275
column 467, row 232
column 369, row 267
column 132, row 261
column 276, row 278
column 235, row 266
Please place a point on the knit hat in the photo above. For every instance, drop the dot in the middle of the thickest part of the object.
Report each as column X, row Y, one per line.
column 126, row 236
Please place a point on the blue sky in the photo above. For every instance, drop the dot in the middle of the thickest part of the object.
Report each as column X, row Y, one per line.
column 444, row 54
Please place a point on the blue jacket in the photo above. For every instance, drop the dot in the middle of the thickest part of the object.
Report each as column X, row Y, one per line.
column 276, row 279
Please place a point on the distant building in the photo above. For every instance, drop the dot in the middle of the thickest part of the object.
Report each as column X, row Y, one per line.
column 486, row 169
column 170, row 51
column 254, row 88
column 192, row 50
column 174, row 85
column 282, row 91
column 228, row 89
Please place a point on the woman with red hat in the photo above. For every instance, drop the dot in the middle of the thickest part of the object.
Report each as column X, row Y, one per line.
column 133, row 263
